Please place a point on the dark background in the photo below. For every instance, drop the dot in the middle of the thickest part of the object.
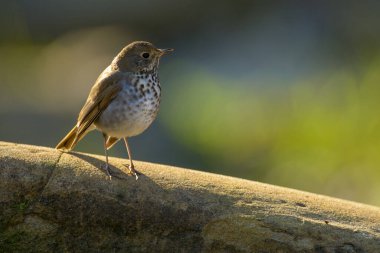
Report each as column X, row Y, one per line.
column 283, row 92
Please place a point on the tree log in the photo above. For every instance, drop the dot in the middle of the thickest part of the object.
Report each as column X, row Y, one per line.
column 52, row 201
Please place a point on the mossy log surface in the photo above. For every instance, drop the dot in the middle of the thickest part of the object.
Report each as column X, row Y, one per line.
column 51, row 201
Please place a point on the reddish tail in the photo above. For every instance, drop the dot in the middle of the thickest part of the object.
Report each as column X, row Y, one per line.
column 70, row 140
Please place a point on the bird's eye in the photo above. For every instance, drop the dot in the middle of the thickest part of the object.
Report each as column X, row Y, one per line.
column 145, row 55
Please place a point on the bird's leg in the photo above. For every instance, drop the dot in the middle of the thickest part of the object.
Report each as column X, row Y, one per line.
column 130, row 166
column 106, row 154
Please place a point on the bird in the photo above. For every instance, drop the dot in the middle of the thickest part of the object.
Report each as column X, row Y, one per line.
column 123, row 102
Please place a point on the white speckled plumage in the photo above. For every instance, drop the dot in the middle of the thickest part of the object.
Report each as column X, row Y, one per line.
column 134, row 109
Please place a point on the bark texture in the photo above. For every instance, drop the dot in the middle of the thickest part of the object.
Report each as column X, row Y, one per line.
column 52, row 201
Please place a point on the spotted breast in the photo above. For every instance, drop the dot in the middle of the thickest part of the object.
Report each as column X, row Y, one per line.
column 134, row 108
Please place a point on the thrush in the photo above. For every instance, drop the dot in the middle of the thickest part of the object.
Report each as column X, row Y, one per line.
column 124, row 100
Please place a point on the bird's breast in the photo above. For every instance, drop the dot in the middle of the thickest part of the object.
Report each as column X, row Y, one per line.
column 134, row 108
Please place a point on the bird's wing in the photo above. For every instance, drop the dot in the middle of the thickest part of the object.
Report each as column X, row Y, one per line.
column 102, row 93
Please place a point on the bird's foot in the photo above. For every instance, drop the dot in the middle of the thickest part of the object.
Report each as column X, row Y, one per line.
column 132, row 170
column 108, row 171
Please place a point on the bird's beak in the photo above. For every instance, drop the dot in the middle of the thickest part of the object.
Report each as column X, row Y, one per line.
column 165, row 51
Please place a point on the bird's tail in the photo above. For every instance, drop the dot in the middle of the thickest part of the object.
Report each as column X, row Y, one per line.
column 70, row 140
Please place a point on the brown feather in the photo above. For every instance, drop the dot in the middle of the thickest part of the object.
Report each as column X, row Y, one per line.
column 102, row 93
column 71, row 139
column 67, row 142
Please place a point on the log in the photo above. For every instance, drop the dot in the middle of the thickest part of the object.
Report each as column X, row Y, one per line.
column 53, row 201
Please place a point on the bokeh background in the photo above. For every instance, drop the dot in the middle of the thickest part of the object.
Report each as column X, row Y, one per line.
column 283, row 92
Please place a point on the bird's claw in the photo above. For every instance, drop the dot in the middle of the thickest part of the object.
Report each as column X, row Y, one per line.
column 107, row 168
column 132, row 170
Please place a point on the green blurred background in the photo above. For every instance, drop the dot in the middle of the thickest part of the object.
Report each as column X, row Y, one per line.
column 283, row 92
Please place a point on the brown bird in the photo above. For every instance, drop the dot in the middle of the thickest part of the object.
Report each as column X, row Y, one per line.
column 124, row 100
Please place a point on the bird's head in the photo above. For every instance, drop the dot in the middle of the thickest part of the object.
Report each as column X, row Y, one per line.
column 139, row 56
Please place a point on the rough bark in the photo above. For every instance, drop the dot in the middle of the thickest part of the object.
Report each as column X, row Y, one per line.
column 52, row 201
